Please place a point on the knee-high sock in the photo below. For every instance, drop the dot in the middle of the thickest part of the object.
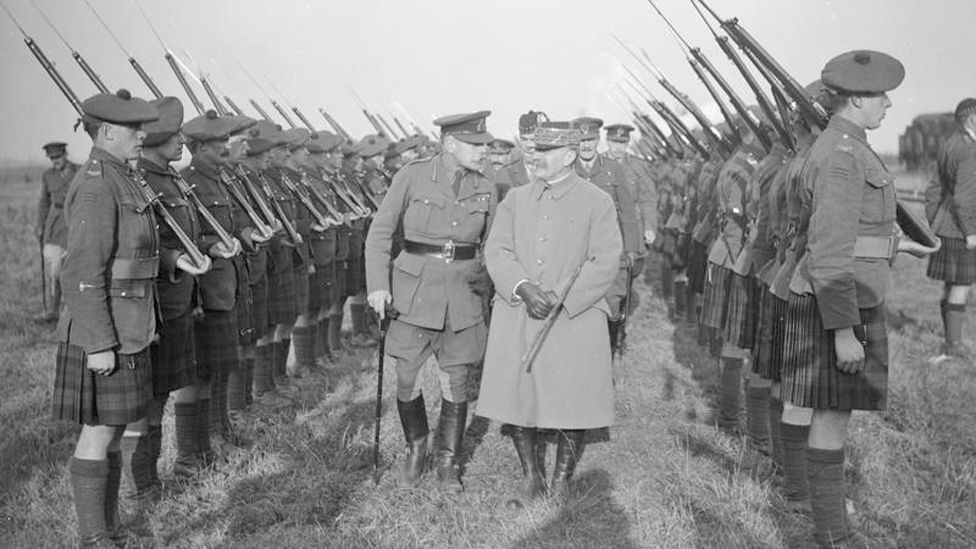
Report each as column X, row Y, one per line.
column 825, row 469
column 186, row 431
column 136, row 458
column 112, row 483
column 89, row 478
column 730, row 390
column 955, row 314
column 203, row 426
column 757, row 415
column 775, row 431
column 796, row 485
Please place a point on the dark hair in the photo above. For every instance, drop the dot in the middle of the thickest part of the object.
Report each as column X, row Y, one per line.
column 91, row 127
column 833, row 102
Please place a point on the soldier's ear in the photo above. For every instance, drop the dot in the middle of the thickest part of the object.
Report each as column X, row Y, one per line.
column 449, row 143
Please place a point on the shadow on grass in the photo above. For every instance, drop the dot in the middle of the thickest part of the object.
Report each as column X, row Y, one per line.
column 590, row 518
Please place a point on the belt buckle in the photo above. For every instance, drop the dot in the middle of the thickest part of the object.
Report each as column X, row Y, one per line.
column 449, row 252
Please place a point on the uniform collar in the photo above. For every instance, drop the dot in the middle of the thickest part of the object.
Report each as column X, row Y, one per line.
column 207, row 170
column 558, row 189
column 101, row 155
column 151, row 167
column 846, row 127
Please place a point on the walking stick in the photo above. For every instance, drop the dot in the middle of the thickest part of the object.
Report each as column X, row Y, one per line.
column 529, row 357
column 384, row 325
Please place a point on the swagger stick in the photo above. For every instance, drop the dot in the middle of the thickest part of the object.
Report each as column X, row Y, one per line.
column 529, row 357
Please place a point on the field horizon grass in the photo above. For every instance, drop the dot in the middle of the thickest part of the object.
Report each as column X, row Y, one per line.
column 662, row 476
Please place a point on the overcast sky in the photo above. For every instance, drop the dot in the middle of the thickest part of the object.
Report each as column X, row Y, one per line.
column 436, row 57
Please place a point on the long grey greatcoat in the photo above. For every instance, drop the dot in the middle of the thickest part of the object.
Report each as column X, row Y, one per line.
column 542, row 235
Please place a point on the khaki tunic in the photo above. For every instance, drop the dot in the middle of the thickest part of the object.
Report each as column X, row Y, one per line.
column 51, row 224
column 542, row 236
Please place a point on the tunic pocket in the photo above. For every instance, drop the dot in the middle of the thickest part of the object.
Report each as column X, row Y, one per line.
column 879, row 197
column 421, row 212
column 407, row 269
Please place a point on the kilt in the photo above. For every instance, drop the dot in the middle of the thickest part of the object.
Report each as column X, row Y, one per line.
column 245, row 331
column 741, row 311
column 953, row 263
column 339, row 285
column 697, row 266
column 810, row 376
column 281, row 297
column 92, row 399
column 715, row 297
column 767, row 351
column 259, row 308
column 218, row 350
column 320, row 287
column 174, row 356
column 355, row 276
column 301, row 290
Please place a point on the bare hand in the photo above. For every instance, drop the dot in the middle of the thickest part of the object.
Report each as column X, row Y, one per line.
column 850, row 351
column 101, row 363
column 918, row 250
column 319, row 228
column 971, row 242
column 538, row 303
column 185, row 264
column 258, row 236
column 378, row 301
column 220, row 250
column 649, row 236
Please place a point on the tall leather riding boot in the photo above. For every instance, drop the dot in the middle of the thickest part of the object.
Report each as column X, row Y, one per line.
column 413, row 418
column 533, row 482
column 568, row 451
column 450, row 429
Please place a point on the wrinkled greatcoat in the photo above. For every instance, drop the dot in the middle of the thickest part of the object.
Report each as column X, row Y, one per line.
column 542, row 236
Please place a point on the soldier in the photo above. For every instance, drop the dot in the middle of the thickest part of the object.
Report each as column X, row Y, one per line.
column 500, row 153
column 640, row 179
column 224, row 289
column 103, row 378
column 609, row 175
column 444, row 205
column 836, row 357
column 51, row 229
column 951, row 205
column 173, row 357
column 519, row 172
column 543, row 233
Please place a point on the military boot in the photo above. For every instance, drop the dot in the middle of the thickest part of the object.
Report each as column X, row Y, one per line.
column 413, row 418
column 533, row 482
column 451, row 434
column 568, row 452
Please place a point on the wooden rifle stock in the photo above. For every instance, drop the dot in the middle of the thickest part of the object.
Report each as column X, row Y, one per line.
column 187, row 190
column 242, row 201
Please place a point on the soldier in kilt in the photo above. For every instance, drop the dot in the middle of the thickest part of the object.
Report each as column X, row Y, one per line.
column 341, row 267
column 836, row 349
column 172, row 355
column 701, row 237
column 223, row 290
column 103, row 377
column 951, row 209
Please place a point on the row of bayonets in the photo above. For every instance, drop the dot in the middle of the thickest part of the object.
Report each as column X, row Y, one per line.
column 356, row 197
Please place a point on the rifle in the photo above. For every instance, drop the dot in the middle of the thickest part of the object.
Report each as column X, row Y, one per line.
column 677, row 126
column 335, row 125
column 187, row 190
column 336, row 217
column 132, row 61
column 238, row 196
column 259, row 199
column 293, row 234
column 529, row 357
column 306, row 201
column 152, row 199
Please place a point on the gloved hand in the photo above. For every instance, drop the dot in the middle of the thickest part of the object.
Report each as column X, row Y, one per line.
column 538, row 302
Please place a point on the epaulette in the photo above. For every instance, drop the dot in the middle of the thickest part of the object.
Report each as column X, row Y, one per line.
column 94, row 168
column 844, row 144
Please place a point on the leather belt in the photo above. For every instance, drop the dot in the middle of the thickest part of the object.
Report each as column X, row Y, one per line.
column 449, row 251
column 136, row 269
column 875, row 247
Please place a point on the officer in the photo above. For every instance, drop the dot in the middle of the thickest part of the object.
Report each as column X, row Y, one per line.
column 543, row 233
column 519, row 171
column 445, row 206
column 500, row 153
column 951, row 205
column 173, row 357
column 225, row 288
column 51, row 229
column 836, row 341
column 609, row 175
column 640, row 179
column 103, row 378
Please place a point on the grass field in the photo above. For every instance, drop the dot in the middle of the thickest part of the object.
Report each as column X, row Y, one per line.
column 663, row 478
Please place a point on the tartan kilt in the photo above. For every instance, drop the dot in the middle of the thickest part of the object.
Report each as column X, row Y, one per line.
column 92, row 399
column 218, row 349
column 260, row 321
column 245, row 331
column 320, row 287
column 174, row 356
column 281, row 297
column 953, row 263
column 355, row 276
column 767, row 351
column 715, row 297
column 339, row 285
column 301, row 290
column 697, row 266
column 741, row 311
column 810, row 376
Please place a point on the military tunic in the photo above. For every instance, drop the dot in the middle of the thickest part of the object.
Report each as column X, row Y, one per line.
column 110, row 295
column 841, row 280
column 51, row 225
column 282, row 254
column 542, row 234
column 951, row 208
column 431, row 294
column 511, row 175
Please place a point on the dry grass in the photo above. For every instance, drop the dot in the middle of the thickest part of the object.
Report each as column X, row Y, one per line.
column 665, row 478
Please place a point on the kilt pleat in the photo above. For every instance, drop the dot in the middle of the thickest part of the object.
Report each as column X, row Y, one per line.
column 281, row 297
column 767, row 351
column 217, row 345
column 85, row 397
column 810, row 376
column 697, row 266
column 339, row 292
column 741, row 311
column 301, row 290
column 173, row 358
column 953, row 263
column 259, row 308
column 715, row 298
column 320, row 286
